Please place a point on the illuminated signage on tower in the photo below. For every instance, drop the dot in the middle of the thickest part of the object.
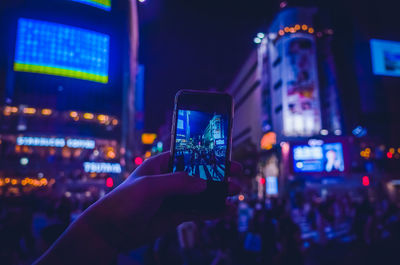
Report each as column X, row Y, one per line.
column 300, row 97
column 56, row 49
column 290, row 71
column 102, row 4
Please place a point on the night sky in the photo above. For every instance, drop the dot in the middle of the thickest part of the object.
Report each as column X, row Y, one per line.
column 198, row 122
column 194, row 45
column 202, row 44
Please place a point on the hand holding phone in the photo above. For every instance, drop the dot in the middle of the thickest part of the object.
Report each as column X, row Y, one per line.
column 201, row 144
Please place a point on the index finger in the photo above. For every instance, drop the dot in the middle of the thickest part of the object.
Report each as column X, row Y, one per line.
column 154, row 165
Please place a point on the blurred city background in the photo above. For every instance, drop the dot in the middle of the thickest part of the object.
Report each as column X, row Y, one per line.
column 86, row 95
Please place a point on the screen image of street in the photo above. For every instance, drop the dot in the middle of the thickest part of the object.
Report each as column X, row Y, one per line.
column 200, row 146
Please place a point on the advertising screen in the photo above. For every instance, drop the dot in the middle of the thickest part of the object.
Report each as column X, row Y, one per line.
column 56, row 49
column 385, row 57
column 271, row 185
column 201, row 144
column 327, row 157
column 103, row 4
column 300, row 102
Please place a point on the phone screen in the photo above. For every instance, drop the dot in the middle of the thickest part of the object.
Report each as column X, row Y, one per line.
column 201, row 144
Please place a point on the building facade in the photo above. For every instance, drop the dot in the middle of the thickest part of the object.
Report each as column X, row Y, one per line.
column 247, row 127
column 67, row 94
column 301, row 78
column 285, row 91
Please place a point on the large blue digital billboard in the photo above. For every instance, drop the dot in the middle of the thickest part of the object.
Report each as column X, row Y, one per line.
column 385, row 57
column 327, row 157
column 103, row 4
column 56, row 49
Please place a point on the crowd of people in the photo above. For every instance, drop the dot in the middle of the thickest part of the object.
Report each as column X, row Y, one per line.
column 191, row 159
column 30, row 224
column 304, row 229
column 331, row 230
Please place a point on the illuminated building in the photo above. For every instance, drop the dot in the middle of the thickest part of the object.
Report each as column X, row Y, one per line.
column 183, row 125
column 301, row 76
column 286, row 90
column 282, row 87
column 68, row 79
column 246, row 91
column 290, row 86
column 214, row 132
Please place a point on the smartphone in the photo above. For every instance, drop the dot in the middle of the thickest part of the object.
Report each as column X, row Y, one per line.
column 201, row 144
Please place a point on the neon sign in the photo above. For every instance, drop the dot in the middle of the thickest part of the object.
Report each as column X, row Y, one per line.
column 56, row 142
column 81, row 143
column 102, row 167
column 41, row 141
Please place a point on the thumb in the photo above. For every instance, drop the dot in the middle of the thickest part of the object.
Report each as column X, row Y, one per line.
column 179, row 183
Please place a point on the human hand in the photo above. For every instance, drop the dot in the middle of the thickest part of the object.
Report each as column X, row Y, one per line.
column 129, row 216
column 133, row 213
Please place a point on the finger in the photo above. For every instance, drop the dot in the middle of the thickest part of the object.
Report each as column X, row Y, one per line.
column 179, row 183
column 155, row 165
column 233, row 188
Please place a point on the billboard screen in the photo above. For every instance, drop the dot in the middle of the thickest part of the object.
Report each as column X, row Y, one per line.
column 56, row 49
column 271, row 185
column 327, row 157
column 300, row 96
column 102, row 4
column 385, row 57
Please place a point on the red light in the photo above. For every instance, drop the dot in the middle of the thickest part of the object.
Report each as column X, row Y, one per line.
column 109, row 182
column 389, row 155
column 262, row 181
column 138, row 160
column 365, row 181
